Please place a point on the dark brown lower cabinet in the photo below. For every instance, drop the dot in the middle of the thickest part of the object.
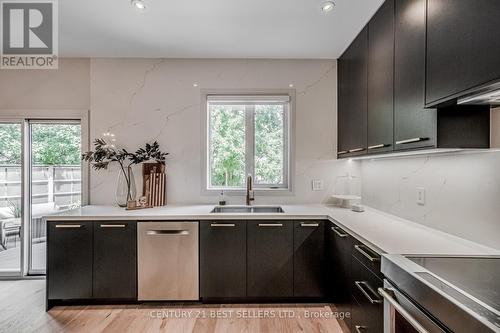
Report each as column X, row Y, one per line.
column 308, row 259
column 223, row 258
column 269, row 259
column 69, row 260
column 91, row 260
column 367, row 305
column 115, row 260
column 338, row 254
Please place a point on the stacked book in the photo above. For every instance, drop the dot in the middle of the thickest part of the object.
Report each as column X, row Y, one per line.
column 154, row 184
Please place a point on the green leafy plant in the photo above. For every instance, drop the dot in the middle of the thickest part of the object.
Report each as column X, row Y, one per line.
column 104, row 154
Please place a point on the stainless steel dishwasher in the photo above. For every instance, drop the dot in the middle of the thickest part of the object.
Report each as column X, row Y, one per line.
column 167, row 261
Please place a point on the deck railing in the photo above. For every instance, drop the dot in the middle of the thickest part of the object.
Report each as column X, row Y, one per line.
column 59, row 184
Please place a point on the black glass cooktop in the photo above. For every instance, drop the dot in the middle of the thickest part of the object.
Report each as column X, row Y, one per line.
column 478, row 277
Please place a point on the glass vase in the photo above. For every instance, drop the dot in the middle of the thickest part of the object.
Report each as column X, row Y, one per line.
column 125, row 187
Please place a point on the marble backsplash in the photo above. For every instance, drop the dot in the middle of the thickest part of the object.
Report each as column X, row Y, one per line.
column 142, row 100
column 462, row 192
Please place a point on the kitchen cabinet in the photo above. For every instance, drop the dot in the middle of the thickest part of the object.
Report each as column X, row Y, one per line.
column 369, row 258
column 391, row 51
column 308, row 259
column 91, row 260
column 462, row 47
column 338, row 254
column 354, row 272
column 414, row 126
column 352, row 97
column 69, row 260
column 381, row 79
column 115, row 260
column 367, row 305
column 269, row 259
column 223, row 258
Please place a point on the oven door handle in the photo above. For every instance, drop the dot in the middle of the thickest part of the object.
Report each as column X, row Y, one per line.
column 386, row 294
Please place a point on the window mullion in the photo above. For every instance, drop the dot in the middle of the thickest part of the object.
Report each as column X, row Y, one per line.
column 250, row 140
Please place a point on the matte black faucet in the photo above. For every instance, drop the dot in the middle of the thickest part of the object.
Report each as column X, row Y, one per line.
column 250, row 196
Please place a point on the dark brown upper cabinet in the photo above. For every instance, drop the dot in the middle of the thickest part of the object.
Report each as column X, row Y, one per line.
column 414, row 125
column 381, row 79
column 463, row 48
column 352, row 92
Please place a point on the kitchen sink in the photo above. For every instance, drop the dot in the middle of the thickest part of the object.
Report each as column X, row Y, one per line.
column 247, row 209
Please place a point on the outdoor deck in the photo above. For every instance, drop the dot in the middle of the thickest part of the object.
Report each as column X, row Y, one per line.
column 10, row 258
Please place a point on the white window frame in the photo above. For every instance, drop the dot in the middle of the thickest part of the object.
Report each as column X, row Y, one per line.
column 252, row 96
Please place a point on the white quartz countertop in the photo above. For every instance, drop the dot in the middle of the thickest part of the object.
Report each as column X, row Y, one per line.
column 385, row 233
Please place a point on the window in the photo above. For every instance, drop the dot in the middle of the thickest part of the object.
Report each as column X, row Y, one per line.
column 248, row 135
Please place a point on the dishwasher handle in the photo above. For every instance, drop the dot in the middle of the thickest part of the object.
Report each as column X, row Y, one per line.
column 167, row 232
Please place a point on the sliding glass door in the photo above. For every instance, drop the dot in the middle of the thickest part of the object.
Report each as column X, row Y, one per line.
column 40, row 174
column 55, row 182
column 11, row 176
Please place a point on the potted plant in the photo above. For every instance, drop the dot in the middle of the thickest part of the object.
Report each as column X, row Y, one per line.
column 104, row 154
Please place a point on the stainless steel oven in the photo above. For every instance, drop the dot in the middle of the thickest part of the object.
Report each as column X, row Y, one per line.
column 401, row 315
column 441, row 294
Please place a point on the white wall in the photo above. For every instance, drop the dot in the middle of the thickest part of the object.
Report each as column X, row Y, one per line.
column 142, row 100
column 153, row 99
column 65, row 88
column 146, row 99
column 462, row 192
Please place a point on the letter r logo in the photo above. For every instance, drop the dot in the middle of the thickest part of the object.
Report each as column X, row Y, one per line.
column 27, row 27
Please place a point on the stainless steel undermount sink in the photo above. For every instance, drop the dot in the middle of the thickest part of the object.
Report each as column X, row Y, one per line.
column 247, row 209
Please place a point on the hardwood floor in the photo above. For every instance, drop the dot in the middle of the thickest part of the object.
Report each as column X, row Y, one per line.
column 22, row 309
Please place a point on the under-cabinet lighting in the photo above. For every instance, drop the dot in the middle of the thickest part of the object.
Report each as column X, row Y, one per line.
column 327, row 6
column 416, row 153
column 139, row 4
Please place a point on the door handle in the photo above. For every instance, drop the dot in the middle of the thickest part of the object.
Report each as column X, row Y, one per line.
column 341, row 235
column 361, row 249
column 68, row 226
column 362, row 285
column 412, row 140
column 270, row 224
column 309, row 224
column 223, row 225
column 342, row 152
column 167, row 232
column 385, row 293
column 112, row 225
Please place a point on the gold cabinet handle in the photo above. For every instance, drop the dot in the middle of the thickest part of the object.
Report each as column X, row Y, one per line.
column 382, row 145
column 223, row 225
column 361, row 249
column 362, row 285
column 412, row 140
column 341, row 235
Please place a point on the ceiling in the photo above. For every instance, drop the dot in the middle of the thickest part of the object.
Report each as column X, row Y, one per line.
column 210, row 28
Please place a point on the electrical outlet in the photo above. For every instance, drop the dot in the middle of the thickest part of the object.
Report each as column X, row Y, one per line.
column 421, row 196
column 318, row 185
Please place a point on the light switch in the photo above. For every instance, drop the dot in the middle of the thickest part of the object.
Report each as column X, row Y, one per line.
column 421, row 196
column 318, row 185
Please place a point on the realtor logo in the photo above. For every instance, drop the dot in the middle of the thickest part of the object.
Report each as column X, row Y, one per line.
column 29, row 37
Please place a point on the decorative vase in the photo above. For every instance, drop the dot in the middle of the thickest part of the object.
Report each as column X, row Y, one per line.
column 125, row 187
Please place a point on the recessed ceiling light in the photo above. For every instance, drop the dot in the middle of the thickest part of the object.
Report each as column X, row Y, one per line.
column 291, row 85
column 327, row 6
column 139, row 4
column 195, row 84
